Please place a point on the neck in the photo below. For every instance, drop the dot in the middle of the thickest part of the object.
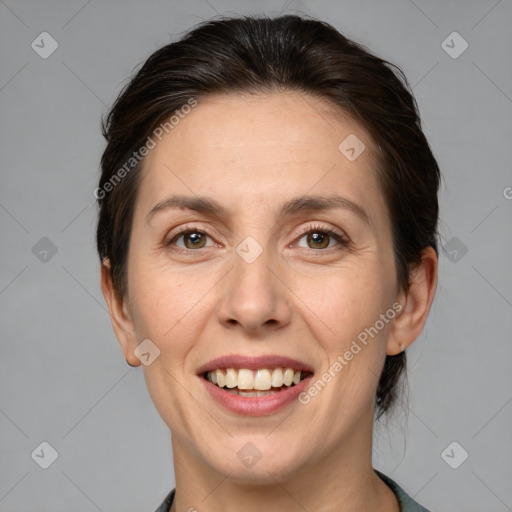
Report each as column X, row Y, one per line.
column 340, row 480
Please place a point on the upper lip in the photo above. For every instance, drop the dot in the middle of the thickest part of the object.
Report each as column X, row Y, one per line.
column 254, row 363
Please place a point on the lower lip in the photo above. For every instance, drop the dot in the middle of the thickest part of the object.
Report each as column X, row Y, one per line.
column 258, row 405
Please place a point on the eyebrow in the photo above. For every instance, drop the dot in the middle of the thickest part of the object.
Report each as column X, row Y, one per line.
column 306, row 203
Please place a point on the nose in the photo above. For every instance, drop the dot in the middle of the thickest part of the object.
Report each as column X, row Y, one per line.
column 254, row 297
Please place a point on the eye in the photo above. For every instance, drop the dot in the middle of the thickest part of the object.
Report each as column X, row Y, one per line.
column 193, row 238
column 318, row 238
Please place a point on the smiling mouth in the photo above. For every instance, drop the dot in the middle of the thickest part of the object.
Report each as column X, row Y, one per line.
column 255, row 383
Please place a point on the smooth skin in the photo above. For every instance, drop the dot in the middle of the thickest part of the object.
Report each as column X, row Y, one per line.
column 303, row 297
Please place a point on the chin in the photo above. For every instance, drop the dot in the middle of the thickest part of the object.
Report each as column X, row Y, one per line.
column 256, row 459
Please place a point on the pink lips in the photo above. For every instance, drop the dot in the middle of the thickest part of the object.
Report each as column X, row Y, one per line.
column 261, row 405
column 258, row 405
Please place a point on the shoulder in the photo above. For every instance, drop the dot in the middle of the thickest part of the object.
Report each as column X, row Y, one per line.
column 166, row 504
column 407, row 504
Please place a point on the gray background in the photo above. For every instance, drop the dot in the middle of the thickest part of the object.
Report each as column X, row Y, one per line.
column 63, row 378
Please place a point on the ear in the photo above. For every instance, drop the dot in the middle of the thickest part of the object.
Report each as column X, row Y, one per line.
column 416, row 302
column 119, row 315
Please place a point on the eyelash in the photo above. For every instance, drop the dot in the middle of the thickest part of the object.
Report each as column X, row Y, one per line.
column 340, row 238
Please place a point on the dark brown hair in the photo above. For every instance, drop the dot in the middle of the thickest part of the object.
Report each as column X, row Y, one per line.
column 258, row 55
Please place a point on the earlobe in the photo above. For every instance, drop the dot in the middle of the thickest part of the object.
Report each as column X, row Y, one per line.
column 417, row 301
column 119, row 316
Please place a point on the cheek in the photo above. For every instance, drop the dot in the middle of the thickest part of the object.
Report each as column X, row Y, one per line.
column 169, row 306
column 350, row 303
column 344, row 303
column 166, row 308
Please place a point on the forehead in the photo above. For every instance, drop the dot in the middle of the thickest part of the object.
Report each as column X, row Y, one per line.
column 245, row 150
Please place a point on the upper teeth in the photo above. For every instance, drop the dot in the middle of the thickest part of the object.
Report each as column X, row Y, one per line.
column 258, row 379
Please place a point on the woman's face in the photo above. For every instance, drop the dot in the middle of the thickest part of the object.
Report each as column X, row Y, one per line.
column 254, row 280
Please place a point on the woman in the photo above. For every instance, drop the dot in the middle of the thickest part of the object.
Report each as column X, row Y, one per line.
column 267, row 233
